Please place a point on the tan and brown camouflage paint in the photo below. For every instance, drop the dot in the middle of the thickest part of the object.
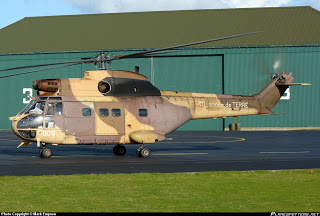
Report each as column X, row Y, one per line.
column 165, row 113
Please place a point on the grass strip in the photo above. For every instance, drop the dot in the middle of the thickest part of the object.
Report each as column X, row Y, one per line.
column 235, row 191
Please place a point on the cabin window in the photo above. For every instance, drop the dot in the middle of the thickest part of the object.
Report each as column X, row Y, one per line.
column 86, row 112
column 116, row 112
column 143, row 112
column 104, row 112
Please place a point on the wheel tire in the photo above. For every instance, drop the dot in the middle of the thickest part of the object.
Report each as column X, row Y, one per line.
column 138, row 153
column 40, row 152
column 46, row 152
column 144, row 152
column 121, row 150
column 115, row 150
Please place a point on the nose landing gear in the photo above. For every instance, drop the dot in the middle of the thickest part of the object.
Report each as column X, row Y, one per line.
column 45, row 152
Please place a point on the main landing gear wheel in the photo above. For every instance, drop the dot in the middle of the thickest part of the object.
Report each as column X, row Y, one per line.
column 45, row 152
column 143, row 152
column 119, row 150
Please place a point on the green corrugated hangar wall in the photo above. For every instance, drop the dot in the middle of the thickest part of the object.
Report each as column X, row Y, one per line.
column 242, row 66
column 240, row 71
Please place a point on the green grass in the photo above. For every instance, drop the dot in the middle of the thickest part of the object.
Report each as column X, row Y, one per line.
column 252, row 191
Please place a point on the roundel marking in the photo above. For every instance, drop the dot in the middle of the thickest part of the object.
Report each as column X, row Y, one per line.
column 201, row 104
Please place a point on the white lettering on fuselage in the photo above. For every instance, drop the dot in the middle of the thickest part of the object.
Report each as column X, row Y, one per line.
column 48, row 133
column 231, row 104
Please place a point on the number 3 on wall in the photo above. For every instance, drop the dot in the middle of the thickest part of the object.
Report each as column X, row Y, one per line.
column 27, row 91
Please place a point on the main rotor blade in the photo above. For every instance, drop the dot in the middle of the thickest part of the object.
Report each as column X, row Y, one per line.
column 42, row 65
column 60, row 66
column 183, row 45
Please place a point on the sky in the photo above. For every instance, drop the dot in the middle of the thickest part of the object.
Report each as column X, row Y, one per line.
column 15, row 10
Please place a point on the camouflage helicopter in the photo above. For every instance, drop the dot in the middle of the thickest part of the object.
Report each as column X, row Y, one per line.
column 115, row 107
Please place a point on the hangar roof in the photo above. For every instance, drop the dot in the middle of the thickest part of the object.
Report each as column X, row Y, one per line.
column 279, row 26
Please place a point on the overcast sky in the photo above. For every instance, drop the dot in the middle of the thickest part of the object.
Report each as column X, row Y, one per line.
column 14, row 10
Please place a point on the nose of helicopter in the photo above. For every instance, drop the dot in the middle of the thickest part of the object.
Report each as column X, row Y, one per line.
column 14, row 125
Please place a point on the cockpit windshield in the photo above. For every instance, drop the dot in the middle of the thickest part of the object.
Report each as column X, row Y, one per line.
column 30, row 104
column 36, row 107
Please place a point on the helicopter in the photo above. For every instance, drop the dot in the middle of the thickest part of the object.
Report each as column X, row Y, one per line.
column 115, row 107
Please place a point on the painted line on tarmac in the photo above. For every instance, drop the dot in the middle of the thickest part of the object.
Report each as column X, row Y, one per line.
column 162, row 154
column 10, row 140
column 300, row 152
column 70, row 156
column 237, row 139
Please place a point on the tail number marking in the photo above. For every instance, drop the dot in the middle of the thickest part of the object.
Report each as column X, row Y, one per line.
column 49, row 133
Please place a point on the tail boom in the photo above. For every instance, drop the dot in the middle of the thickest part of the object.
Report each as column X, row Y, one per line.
column 220, row 105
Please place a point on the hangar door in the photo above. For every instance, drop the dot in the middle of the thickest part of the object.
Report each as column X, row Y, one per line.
column 191, row 73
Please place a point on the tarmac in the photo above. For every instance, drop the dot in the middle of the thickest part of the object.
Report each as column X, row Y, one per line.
column 193, row 151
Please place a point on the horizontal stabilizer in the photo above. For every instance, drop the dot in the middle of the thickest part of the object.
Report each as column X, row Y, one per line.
column 293, row 84
column 265, row 114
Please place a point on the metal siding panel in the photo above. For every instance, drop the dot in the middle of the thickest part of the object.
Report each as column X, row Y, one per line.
column 191, row 74
column 12, row 87
column 248, row 71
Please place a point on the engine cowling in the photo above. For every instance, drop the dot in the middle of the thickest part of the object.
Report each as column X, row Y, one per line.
column 47, row 85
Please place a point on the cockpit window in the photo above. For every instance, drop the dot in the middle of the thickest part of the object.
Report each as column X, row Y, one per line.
column 49, row 121
column 54, row 108
column 37, row 108
column 42, row 98
column 31, row 103
column 59, row 110
column 55, row 98
column 30, row 121
column 50, row 109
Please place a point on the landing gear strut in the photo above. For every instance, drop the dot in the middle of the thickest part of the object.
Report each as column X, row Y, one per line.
column 45, row 152
column 119, row 150
column 143, row 152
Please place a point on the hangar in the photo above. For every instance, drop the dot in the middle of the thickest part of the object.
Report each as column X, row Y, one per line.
column 288, row 41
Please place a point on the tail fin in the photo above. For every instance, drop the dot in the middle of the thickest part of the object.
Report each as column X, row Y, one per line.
column 271, row 94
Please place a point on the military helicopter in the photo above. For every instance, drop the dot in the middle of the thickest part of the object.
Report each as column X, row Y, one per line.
column 114, row 107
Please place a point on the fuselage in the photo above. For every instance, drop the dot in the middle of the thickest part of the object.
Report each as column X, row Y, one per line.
column 110, row 107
